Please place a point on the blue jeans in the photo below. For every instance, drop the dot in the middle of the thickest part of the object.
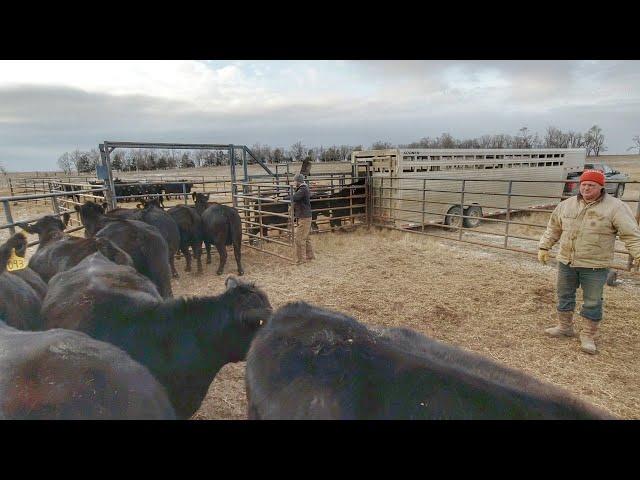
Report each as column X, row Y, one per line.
column 591, row 280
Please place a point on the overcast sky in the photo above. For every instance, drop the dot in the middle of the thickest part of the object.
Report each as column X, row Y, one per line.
column 50, row 107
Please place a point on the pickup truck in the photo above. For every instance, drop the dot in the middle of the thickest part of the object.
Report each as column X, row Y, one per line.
column 612, row 177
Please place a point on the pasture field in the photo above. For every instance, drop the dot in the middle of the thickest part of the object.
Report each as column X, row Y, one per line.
column 494, row 302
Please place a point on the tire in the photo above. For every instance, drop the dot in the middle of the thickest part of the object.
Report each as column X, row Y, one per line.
column 453, row 221
column 620, row 190
column 473, row 211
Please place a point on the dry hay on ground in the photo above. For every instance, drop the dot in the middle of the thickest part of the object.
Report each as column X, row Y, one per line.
column 493, row 302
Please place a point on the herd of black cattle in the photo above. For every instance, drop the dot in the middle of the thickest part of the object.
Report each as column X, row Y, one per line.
column 91, row 330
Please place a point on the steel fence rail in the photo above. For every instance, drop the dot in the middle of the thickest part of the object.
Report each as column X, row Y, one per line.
column 387, row 201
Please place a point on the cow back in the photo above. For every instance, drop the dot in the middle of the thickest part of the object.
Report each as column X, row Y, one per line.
column 147, row 248
column 64, row 375
column 323, row 364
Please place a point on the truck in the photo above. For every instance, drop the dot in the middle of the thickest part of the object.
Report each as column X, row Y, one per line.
column 612, row 180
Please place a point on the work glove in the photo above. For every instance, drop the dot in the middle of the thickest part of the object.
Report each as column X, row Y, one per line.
column 543, row 256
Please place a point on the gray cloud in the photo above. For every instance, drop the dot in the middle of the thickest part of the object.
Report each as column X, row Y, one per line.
column 410, row 100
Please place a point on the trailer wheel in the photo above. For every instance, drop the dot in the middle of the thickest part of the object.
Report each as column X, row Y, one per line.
column 475, row 212
column 450, row 219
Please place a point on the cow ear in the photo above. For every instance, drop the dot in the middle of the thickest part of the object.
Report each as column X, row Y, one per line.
column 104, row 206
column 65, row 218
column 76, row 208
column 193, row 195
column 206, row 196
column 140, row 205
column 231, row 282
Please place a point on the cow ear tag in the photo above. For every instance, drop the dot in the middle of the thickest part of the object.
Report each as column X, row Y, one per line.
column 15, row 262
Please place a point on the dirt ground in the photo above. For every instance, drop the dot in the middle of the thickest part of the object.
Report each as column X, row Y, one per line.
column 493, row 302
column 496, row 303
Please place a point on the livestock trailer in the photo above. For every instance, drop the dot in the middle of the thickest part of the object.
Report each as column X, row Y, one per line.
column 416, row 186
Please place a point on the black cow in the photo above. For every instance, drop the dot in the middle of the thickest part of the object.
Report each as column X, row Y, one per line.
column 311, row 363
column 153, row 214
column 261, row 215
column 343, row 206
column 97, row 183
column 19, row 303
column 190, row 228
column 174, row 188
column 58, row 252
column 143, row 242
column 65, row 375
column 149, row 191
column 183, row 341
column 221, row 226
column 320, row 205
column 123, row 190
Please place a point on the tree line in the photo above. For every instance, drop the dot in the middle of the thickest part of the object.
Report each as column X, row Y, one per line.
column 158, row 159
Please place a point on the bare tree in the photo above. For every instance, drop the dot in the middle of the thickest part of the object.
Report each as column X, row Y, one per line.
column 447, row 141
column 278, row 155
column 298, row 151
column 380, row 145
column 635, row 140
column 525, row 139
column 65, row 162
column 594, row 141
column 575, row 139
column 554, row 138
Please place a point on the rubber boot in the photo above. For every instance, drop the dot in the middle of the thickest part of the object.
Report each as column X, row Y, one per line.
column 565, row 326
column 587, row 336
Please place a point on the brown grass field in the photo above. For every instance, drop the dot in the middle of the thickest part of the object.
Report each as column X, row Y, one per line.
column 490, row 301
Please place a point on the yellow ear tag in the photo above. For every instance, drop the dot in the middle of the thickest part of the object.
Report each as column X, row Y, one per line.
column 15, row 262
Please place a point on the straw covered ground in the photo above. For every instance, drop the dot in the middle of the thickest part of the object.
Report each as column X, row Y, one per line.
column 493, row 302
column 490, row 301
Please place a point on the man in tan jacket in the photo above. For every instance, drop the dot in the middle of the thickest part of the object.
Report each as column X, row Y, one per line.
column 586, row 226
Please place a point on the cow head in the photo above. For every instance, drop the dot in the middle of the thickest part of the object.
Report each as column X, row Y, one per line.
column 251, row 311
column 47, row 228
column 90, row 215
column 202, row 201
column 150, row 203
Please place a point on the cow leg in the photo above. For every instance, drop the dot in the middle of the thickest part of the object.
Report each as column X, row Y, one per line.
column 207, row 245
column 187, row 256
column 237, row 252
column 197, row 251
column 222, row 251
column 174, row 273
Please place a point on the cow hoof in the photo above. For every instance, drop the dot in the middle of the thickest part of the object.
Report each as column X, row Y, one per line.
column 208, row 261
column 219, row 272
column 187, row 269
column 175, row 275
column 240, row 272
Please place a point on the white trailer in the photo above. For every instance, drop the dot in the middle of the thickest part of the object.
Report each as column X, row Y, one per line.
column 407, row 182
